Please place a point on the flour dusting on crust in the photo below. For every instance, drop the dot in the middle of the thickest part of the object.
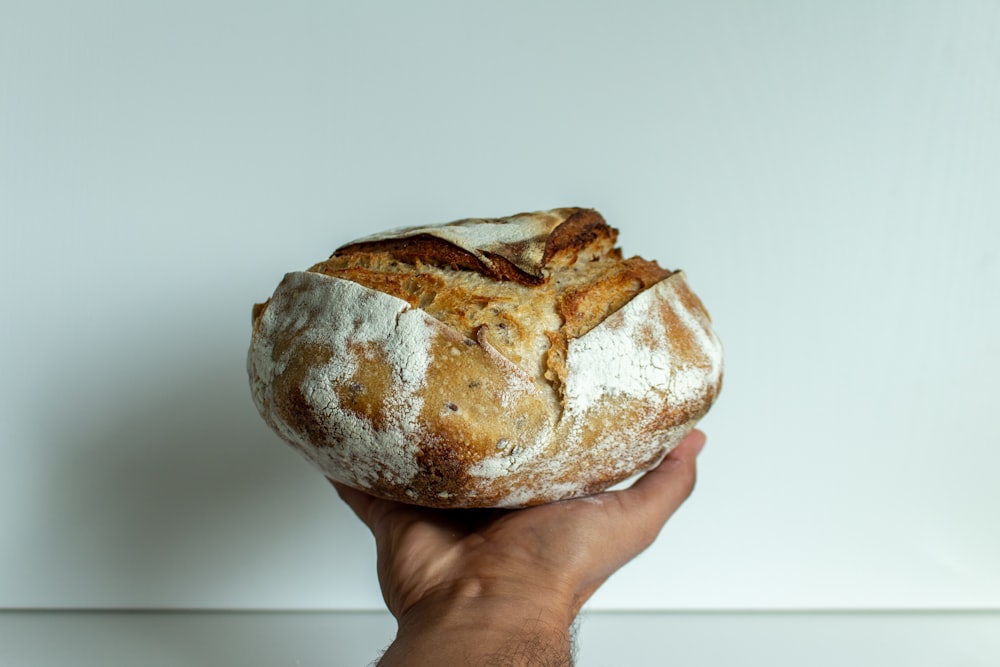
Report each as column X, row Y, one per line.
column 344, row 319
column 630, row 355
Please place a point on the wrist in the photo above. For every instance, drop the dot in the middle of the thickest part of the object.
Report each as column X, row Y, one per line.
column 498, row 602
column 472, row 622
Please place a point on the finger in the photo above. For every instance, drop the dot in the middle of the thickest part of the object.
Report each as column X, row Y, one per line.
column 358, row 501
column 381, row 516
column 656, row 495
column 671, row 482
column 689, row 447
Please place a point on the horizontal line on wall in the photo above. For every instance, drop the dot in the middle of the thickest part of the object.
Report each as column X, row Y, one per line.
column 588, row 612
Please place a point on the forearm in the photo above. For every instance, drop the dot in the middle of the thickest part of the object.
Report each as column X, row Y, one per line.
column 515, row 632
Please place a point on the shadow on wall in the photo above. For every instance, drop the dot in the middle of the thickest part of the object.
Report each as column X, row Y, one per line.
column 182, row 497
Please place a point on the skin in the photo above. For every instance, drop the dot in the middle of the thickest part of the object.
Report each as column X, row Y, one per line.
column 483, row 587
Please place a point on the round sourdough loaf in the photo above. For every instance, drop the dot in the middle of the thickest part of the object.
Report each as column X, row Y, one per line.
column 484, row 363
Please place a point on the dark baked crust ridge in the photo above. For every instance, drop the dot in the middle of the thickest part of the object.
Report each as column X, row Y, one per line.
column 427, row 249
column 557, row 235
column 582, row 228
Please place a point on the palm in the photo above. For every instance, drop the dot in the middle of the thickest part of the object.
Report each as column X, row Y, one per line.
column 570, row 546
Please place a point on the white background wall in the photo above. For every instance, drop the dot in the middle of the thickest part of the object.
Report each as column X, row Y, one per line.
column 828, row 175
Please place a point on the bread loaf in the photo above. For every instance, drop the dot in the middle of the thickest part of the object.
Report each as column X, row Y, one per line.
column 484, row 363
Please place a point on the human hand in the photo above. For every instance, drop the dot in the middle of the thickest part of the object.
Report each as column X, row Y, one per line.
column 479, row 576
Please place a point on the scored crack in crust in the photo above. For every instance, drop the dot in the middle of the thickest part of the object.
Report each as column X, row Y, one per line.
column 485, row 362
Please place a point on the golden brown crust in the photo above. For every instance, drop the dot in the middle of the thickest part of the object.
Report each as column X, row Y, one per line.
column 584, row 280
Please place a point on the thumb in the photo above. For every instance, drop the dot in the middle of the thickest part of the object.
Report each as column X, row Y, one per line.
column 359, row 501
